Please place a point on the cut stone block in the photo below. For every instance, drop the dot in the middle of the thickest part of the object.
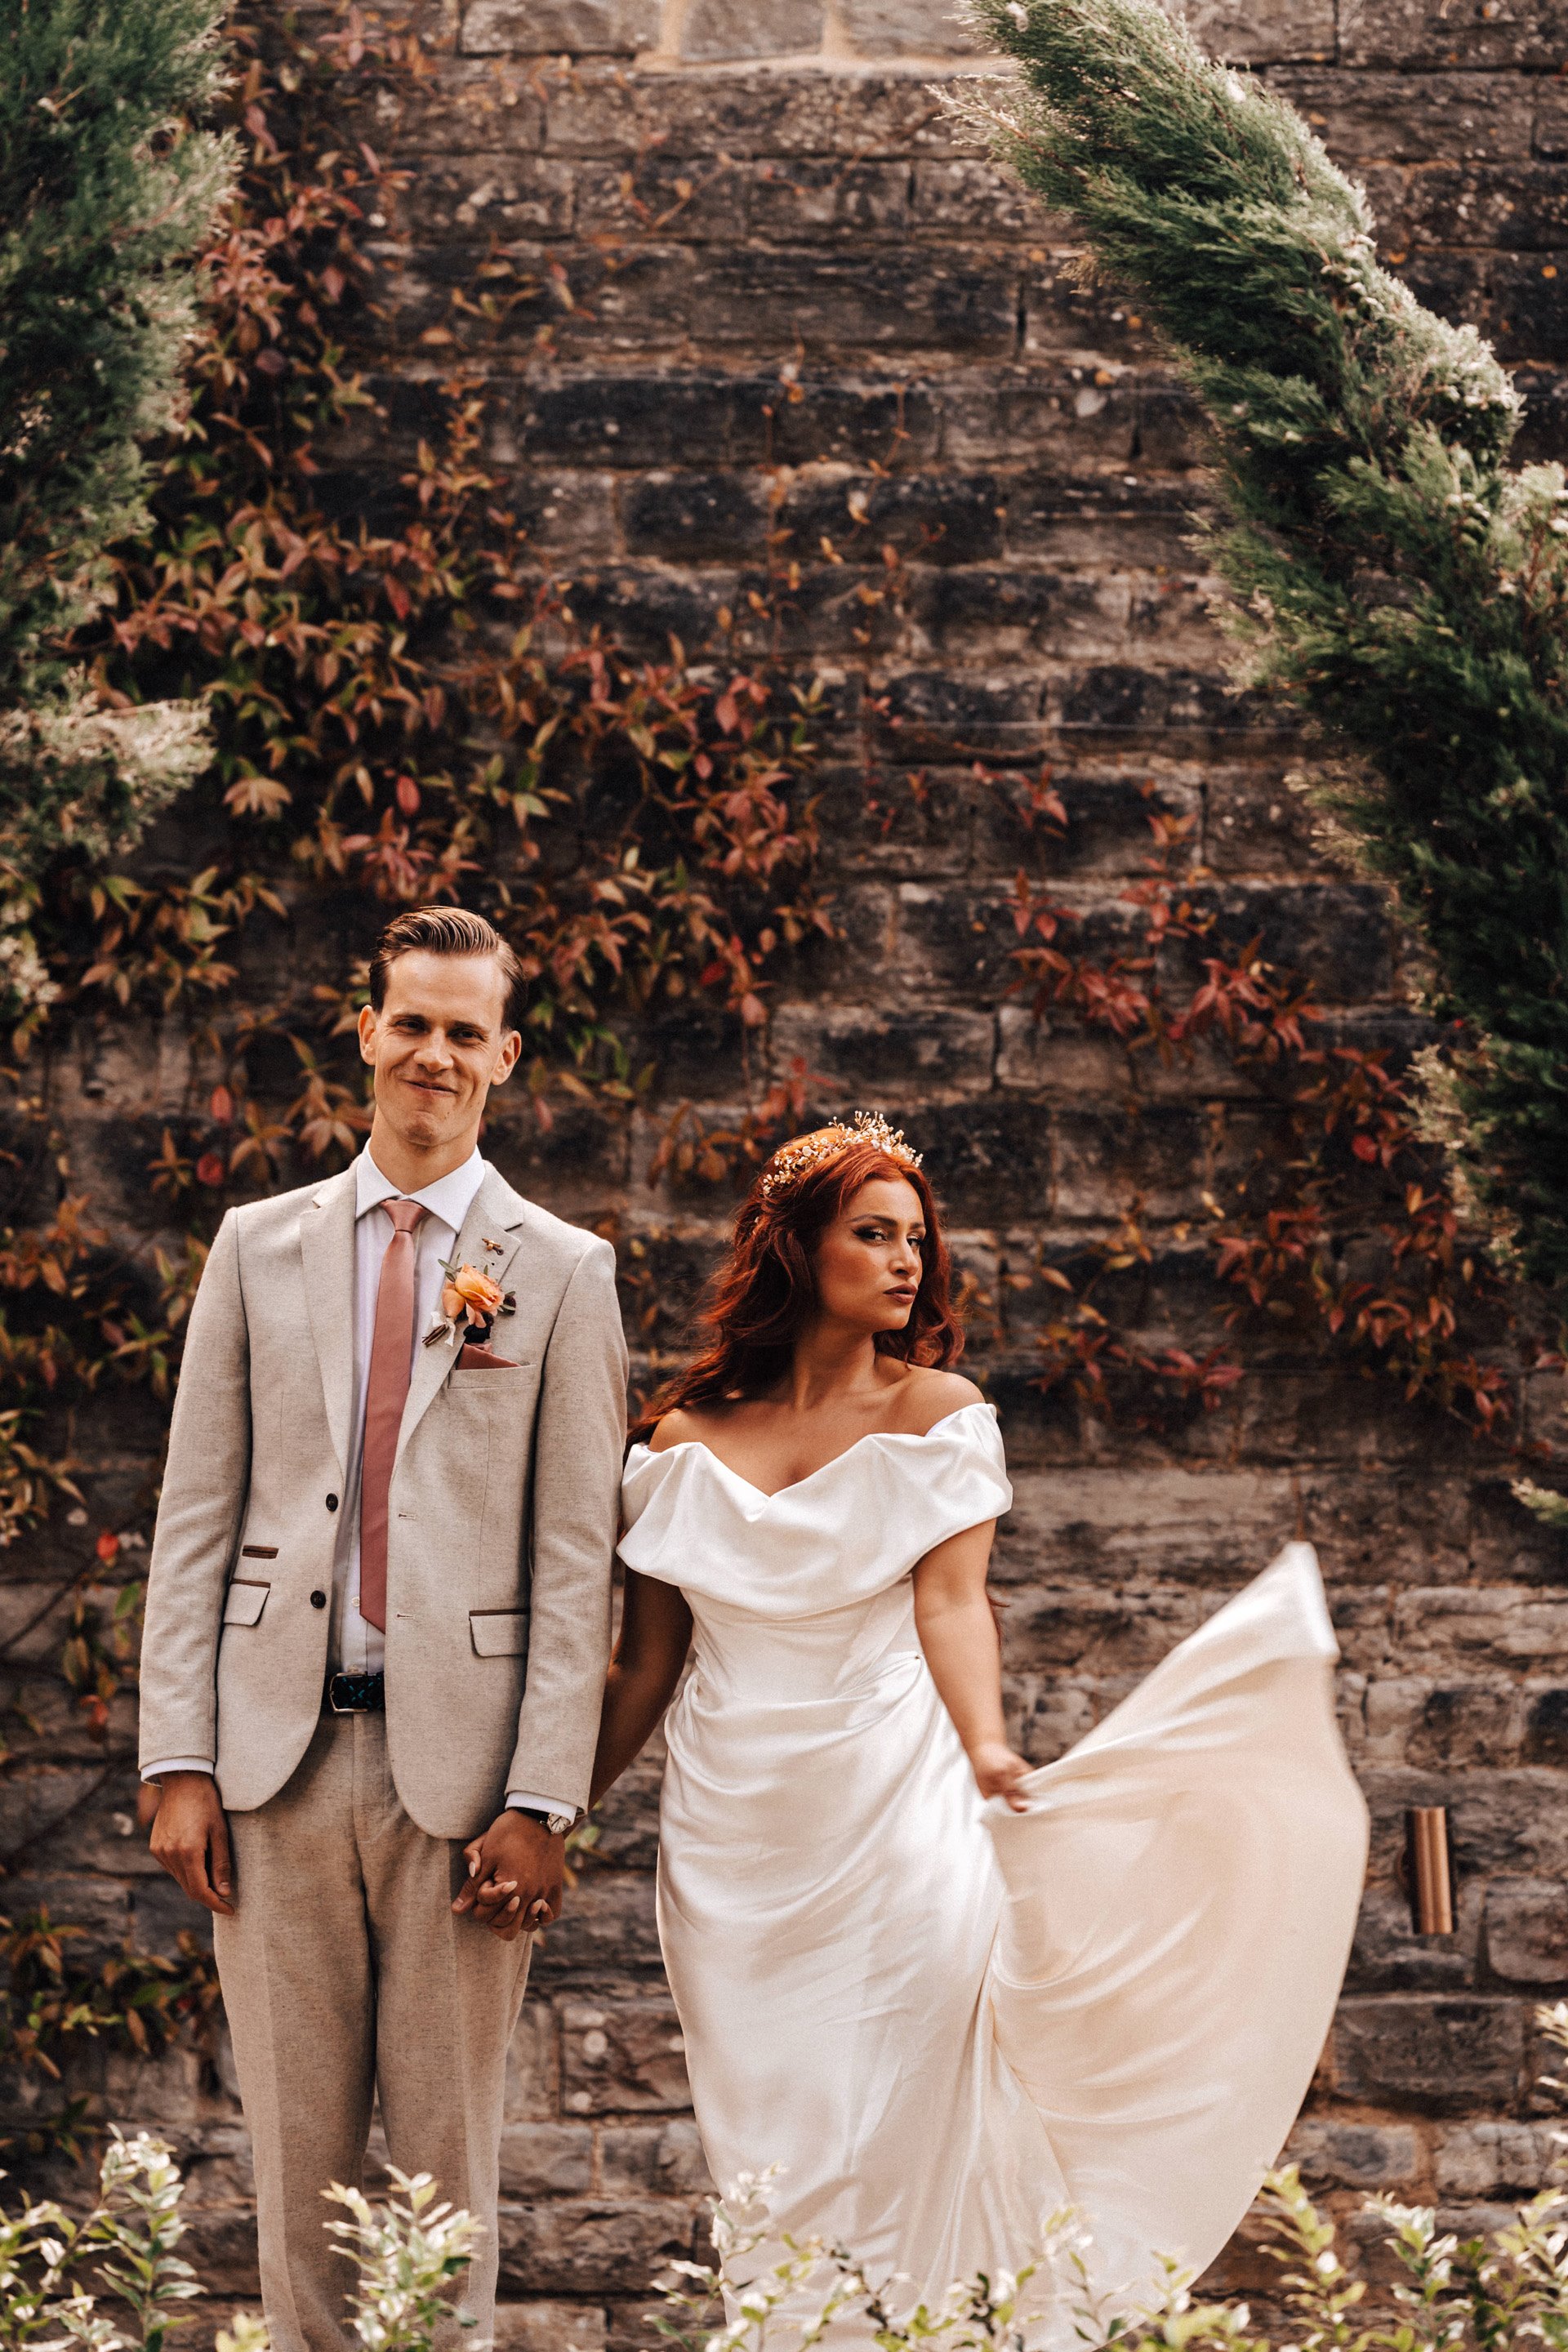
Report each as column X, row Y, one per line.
column 1263, row 32
column 554, row 28
column 1355, row 2155
column 718, row 29
column 896, row 28
column 1527, row 1930
column 549, row 2328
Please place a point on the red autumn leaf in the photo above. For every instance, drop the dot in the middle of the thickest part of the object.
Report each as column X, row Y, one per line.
column 1363, row 1147
column 108, row 1547
column 210, row 1169
column 222, row 1105
column 407, row 795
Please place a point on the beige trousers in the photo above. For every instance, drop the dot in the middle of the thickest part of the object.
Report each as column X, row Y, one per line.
column 344, row 1973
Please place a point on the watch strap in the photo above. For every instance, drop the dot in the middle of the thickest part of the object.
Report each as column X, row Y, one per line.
column 556, row 1823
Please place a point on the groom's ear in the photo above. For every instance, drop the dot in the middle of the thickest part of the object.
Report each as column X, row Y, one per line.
column 507, row 1056
column 366, row 1027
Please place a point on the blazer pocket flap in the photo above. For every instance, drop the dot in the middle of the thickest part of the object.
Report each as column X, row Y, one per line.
column 499, row 1632
column 246, row 1601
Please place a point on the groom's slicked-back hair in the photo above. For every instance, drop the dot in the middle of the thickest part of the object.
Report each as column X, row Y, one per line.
column 445, row 932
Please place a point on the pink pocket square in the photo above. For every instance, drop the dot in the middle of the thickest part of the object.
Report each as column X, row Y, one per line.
column 477, row 1359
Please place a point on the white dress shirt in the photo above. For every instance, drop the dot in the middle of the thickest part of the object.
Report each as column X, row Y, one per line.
column 358, row 1647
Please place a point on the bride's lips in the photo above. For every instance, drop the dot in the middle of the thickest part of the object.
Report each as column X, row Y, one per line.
column 905, row 1297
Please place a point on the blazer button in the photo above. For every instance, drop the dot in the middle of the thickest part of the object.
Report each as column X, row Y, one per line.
column 318, row 1600
column 332, row 1502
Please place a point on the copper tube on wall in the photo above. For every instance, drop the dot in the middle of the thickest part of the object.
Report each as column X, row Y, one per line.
column 1426, row 1870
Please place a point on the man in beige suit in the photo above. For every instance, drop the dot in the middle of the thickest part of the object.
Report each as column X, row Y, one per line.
column 378, row 1620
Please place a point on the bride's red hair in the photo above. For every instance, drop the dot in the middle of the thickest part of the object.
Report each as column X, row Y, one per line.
column 760, row 1295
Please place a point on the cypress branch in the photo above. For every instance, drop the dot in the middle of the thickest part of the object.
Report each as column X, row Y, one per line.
column 106, row 193
column 1391, row 573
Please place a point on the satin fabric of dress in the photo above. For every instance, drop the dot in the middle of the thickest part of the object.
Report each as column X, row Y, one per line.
column 943, row 2021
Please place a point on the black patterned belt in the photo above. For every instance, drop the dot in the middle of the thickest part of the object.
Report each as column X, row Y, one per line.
column 356, row 1693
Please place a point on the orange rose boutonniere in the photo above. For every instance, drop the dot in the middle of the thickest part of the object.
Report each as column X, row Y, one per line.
column 470, row 1302
column 470, row 1293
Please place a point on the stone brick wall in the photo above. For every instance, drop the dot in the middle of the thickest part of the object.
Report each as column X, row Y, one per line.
column 785, row 327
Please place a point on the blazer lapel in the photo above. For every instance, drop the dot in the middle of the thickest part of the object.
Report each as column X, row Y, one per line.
column 327, row 1245
column 494, row 1214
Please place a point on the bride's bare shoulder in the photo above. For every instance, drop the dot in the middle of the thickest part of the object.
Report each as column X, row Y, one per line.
column 679, row 1427
column 926, row 1397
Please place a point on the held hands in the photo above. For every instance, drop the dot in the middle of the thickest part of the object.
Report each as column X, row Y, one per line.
column 516, row 1872
column 190, row 1839
column 998, row 1772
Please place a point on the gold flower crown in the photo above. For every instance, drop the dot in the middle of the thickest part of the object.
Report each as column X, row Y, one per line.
column 792, row 1161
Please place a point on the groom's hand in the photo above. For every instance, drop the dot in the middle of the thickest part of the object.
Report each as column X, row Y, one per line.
column 190, row 1839
column 516, row 1872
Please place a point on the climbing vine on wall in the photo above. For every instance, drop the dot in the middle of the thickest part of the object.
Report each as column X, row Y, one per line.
column 403, row 711
column 405, row 707
column 1337, row 1240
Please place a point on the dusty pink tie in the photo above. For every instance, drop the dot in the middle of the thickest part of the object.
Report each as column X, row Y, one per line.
column 386, row 1390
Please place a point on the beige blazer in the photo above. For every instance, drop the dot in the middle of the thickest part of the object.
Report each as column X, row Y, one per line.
column 501, row 1522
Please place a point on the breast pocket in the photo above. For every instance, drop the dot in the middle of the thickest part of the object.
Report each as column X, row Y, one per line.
column 245, row 1601
column 495, row 1375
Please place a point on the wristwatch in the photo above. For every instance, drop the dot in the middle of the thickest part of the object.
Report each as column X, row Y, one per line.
column 556, row 1823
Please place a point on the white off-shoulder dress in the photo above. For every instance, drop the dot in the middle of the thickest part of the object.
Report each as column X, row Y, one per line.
column 943, row 2020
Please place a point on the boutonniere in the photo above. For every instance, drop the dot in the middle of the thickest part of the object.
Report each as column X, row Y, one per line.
column 470, row 1302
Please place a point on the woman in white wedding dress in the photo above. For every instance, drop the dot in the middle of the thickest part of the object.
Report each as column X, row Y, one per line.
column 947, row 1994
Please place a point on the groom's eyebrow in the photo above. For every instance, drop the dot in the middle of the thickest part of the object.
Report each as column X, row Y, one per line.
column 454, row 1028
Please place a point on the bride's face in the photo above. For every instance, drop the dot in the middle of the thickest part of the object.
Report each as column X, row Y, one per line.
column 868, row 1260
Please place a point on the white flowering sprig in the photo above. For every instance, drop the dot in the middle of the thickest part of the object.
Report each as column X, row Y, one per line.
column 409, row 2255
column 1549, row 1505
column 809, row 2284
column 247, row 2333
column 35, row 2251
column 804, row 2288
column 126, row 2242
column 1505, row 2292
column 139, row 2223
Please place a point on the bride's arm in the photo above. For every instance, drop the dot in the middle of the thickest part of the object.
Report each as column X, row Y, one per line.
column 958, row 1634
column 655, row 1629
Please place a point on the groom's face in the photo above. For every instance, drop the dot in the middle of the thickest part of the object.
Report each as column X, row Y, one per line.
column 438, row 1046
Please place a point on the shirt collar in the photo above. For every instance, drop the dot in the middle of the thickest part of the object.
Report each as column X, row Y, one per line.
column 450, row 1197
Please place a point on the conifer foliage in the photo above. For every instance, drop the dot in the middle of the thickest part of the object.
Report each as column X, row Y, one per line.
column 1396, row 576
column 105, row 195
